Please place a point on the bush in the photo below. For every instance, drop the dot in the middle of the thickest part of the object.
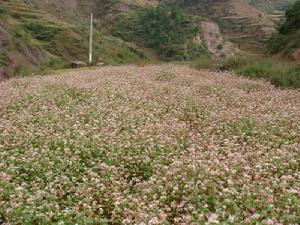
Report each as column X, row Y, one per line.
column 288, row 35
column 2, row 11
column 233, row 63
column 41, row 32
column 281, row 75
column 292, row 19
column 55, row 63
column 258, row 70
column 220, row 47
column 20, row 33
column 277, row 43
column 22, row 71
column 165, row 28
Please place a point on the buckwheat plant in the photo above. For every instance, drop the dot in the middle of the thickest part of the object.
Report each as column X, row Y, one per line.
column 161, row 144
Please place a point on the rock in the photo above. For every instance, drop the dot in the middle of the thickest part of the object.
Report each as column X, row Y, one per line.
column 100, row 64
column 77, row 64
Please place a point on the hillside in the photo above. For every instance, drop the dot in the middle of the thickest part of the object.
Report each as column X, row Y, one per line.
column 271, row 5
column 240, row 22
column 161, row 144
column 39, row 34
column 274, row 8
column 286, row 42
column 34, row 35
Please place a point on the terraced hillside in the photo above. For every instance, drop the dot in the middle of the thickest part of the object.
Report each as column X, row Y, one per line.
column 33, row 37
column 40, row 34
column 286, row 42
column 161, row 144
column 241, row 22
column 271, row 5
column 275, row 8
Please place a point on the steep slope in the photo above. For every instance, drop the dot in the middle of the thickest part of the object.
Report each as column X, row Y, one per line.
column 78, row 9
column 241, row 22
column 35, row 34
column 215, row 42
column 287, row 41
column 39, row 33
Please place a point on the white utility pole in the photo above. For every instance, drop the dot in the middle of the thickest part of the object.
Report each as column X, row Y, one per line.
column 91, row 42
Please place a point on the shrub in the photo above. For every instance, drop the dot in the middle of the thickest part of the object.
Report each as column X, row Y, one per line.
column 20, row 32
column 2, row 11
column 55, row 63
column 292, row 19
column 279, row 74
column 220, row 47
column 41, row 32
column 165, row 28
column 277, row 43
column 259, row 70
column 288, row 34
column 233, row 63
column 22, row 71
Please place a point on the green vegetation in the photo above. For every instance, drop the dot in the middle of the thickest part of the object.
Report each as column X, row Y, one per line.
column 158, row 145
column 44, row 42
column 2, row 11
column 41, row 32
column 279, row 74
column 283, row 74
column 292, row 19
column 165, row 28
column 288, row 37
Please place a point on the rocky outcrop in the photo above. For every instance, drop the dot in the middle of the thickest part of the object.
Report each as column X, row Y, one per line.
column 215, row 42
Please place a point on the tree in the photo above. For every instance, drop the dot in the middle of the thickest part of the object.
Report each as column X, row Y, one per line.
column 292, row 19
column 166, row 28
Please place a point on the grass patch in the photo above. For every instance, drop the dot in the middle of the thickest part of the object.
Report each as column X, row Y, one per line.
column 280, row 74
column 41, row 32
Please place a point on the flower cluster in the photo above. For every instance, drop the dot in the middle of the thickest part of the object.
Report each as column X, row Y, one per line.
column 161, row 144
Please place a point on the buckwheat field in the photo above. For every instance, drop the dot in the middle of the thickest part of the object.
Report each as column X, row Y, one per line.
column 161, row 144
